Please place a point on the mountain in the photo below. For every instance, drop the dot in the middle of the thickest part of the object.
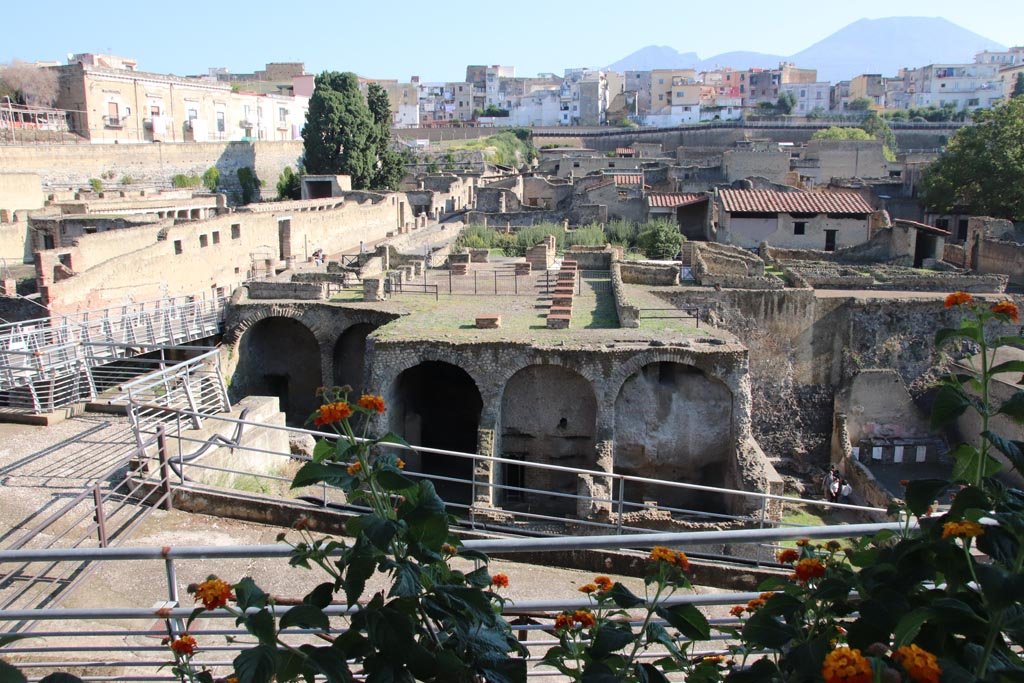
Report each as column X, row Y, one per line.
column 656, row 57
column 865, row 46
column 882, row 46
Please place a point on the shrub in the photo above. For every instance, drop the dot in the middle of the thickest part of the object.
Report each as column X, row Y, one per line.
column 96, row 184
column 249, row 183
column 127, row 180
column 660, row 240
column 211, row 178
column 182, row 180
column 289, row 184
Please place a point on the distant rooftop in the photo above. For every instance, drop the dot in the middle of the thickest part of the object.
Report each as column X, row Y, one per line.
column 771, row 201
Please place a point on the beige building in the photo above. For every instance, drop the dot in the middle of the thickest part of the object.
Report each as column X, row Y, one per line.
column 870, row 87
column 403, row 97
column 664, row 82
column 108, row 105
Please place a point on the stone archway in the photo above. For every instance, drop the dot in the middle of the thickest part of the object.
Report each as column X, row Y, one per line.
column 438, row 405
column 549, row 416
column 349, row 360
column 673, row 422
column 279, row 356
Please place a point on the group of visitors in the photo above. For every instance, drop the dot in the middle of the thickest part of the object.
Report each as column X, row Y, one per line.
column 835, row 488
column 318, row 257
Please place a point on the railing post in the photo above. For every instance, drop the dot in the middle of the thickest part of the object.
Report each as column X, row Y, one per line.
column 621, row 505
column 101, row 519
column 175, row 627
column 165, row 467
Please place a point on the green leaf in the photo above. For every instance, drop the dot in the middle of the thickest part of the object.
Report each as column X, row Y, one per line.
column 764, row 630
column 305, row 616
column 1014, row 407
column 392, row 479
column 9, row 674
column 968, row 330
column 328, row 662
column 261, row 625
column 648, row 673
column 360, row 567
column 999, row 544
column 596, row 672
column 407, row 580
column 611, row 637
column 256, row 665
column 322, row 450
column 909, row 626
column 480, row 578
column 969, row 464
column 321, row 596
column 950, row 403
column 970, row 498
column 391, row 437
column 248, row 594
column 1008, row 366
column 377, row 530
column 921, row 493
column 623, row 597
column 687, row 619
column 1013, row 450
column 315, row 473
column 59, row 677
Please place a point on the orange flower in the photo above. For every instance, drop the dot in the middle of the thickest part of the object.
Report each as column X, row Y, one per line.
column 788, row 556
column 844, row 665
column 767, row 595
column 354, row 468
column 330, row 413
column 499, row 581
column 964, row 529
column 663, row 554
column 736, row 611
column 588, row 588
column 584, row 618
column 958, row 299
column 603, row 583
column 563, row 622
column 185, row 645
column 809, row 568
column 904, row 482
column 682, row 561
column 399, row 463
column 448, row 549
column 713, row 659
column 833, row 546
column 755, row 604
column 214, row 593
column 1007, row 308
column 920, row 665
column 372, row 403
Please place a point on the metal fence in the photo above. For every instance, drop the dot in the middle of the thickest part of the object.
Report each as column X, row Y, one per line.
column 103, row 637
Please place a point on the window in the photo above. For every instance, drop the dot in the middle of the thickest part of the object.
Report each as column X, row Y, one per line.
column 611, row 164
column 237, row 270
column 154, row 110
column 800, row 228
column 221, row 127
column 942, row 223
column 282, row 114
column 193, row 114
column 575, row 164
column 236, row 231
column 177, row 246
column 204, row 241
column 216, row 237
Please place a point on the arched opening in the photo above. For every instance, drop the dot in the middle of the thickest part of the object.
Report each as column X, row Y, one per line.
column 437, row 405
column 548, row 416
column 280, row 357
column 674, row 423
column 350, row 357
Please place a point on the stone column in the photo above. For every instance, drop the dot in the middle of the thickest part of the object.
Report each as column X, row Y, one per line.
column 597, row 487
column 483, row 470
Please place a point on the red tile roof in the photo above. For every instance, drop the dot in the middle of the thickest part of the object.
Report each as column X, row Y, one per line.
column 672, row 200
column 622, row 151
column 771, row 201
column 631, row 179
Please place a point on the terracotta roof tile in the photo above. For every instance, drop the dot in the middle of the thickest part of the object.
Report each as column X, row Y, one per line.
column 771, row 201
column 630, row 179
column 673, row 199
column 924, row 227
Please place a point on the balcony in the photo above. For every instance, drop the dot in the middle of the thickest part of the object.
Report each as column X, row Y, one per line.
column 113, row 122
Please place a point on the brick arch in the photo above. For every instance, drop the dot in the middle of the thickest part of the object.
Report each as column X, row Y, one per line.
column 627, row 369
column 321, row 332
column 488, row 388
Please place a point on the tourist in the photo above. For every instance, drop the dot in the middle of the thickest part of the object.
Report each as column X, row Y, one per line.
column 844, row 490
column 830, row 478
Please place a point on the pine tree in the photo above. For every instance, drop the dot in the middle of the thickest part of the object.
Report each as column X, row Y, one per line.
column 389, row 164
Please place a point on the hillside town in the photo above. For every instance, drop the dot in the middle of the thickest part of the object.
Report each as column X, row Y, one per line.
column 669, row 374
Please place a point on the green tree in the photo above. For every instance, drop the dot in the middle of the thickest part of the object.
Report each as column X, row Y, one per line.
column 289, row 184
column 249, row 183
column 840, row 133
column 388, row 165
column 878, row 128
column 859, row 104
column 1018, row 86
column 786, row 103
column 982, row 167
column 338, row 131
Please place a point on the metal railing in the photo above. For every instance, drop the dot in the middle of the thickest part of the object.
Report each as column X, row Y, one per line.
column 48, row 363
column 682, row 313
column 93, row 636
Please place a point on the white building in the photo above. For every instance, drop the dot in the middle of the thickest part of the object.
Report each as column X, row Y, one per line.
column 809, row 96
column 964, row 86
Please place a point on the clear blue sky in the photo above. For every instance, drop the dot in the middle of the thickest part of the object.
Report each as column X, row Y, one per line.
column 436, row 39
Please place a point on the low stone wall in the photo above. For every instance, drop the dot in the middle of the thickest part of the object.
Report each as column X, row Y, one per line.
column 887, row 277
column 639, row 273
column 629, row 315
column 594, row 258
column 730, row 267
column 305, row 291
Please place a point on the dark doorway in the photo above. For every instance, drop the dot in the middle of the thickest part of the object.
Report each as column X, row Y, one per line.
column 924, row 248
column 350, row 357
column 319, row 189
column 279, row 357
column 284, row 238
column 830, row 240
column 437, row 405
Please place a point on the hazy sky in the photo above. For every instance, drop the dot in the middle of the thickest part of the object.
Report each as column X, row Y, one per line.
column 435, row 39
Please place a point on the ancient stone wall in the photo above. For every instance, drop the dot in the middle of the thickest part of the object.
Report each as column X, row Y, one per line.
column 629, row 315
column 18, row 190
column 639, row 273
column 299, row 291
